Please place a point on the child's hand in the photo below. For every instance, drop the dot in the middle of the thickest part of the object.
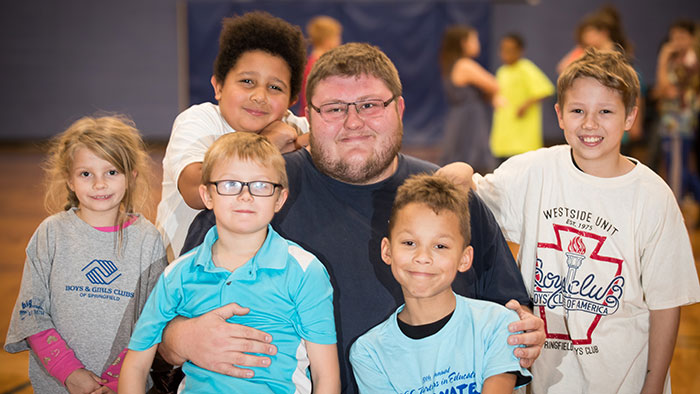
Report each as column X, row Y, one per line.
column 82, row 381
column 281, row 135
column 103, row 390
column 458, row 173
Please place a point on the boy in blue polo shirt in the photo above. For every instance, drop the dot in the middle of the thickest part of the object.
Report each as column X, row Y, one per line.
column 243, row 260
column 437, row 342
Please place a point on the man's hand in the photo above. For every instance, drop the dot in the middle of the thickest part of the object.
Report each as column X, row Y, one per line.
column 458, row 173
column 282, row 135
column 212, row 343
column 532, row 337
column 82, row 381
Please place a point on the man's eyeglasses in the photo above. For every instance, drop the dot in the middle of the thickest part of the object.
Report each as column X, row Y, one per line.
column 333, row 112
column 255, row 188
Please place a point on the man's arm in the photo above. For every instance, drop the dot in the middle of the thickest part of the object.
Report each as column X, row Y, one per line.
column 663, row 330
column 212, row 343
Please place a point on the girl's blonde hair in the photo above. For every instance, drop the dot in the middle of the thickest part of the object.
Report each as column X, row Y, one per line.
column 112, row 138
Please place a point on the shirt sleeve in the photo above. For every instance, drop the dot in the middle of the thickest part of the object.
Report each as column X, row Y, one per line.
column 298, row 122
column 32, row 310
column 160, row 308
column 498, row 278
column 499, row 357
column 495, row 191
column 314, row 301
column 192, row 134
column 369, row 375
column 538, row 83
column 669, row 277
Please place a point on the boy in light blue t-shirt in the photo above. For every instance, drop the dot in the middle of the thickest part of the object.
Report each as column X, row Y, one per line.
column 243, row 260
column 437, row 342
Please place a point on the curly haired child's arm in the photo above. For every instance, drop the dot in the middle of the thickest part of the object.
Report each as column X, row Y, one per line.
column 663, row 329
column 134, row 372
column 188, row 185
column 325, row 370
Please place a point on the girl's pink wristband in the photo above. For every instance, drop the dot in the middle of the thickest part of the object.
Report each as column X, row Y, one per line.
column 55, row 355
column 111, row 375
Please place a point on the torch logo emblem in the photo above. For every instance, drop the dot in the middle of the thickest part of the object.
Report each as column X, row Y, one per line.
column 574, row 258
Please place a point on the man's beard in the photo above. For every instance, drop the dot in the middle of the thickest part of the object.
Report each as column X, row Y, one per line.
column 357, row 174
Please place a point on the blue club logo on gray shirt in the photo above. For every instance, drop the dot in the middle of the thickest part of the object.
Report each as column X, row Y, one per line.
column 101, row 272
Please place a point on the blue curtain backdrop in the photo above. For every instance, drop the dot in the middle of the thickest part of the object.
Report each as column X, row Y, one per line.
column 408, row 31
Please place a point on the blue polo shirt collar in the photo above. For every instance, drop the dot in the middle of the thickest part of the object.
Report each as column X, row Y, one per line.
column 267, row 257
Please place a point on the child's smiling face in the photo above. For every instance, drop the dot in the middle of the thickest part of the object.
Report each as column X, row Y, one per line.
column 243, row 213
column 99, row 187
column 594, row 119
column 425, row 251
column 256, row 91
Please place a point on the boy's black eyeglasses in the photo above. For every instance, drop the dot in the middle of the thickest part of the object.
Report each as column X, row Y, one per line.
column 333, row 112
column 255, row 188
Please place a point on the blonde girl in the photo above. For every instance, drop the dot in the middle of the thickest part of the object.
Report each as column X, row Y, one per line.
column 91, row 265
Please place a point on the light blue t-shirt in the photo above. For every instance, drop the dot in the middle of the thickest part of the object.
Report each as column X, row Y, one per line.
column 289, row 295
column 457, row 359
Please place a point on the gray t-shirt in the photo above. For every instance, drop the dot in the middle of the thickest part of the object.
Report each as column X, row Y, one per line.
column 76, row 280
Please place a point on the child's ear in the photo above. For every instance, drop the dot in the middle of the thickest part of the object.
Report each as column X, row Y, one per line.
column 557, row 109
column 386, row 250
column 281, row 199
column 630, row 118
column 134, row 174
column 206, row 196
column 465, row 262
column 217, row 87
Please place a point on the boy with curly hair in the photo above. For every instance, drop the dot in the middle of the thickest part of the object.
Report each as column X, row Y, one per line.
column 257, row 76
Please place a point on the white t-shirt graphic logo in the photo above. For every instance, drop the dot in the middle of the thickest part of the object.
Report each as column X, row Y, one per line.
column 574, row 288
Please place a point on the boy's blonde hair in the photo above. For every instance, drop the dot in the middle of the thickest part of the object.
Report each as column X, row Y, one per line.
column 610, row 68
column 245, row 146
column 438, row 193
column 354, row 60
column 112, row 138
column 322, row 28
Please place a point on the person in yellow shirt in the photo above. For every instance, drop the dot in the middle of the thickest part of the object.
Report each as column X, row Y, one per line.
column 517, row 118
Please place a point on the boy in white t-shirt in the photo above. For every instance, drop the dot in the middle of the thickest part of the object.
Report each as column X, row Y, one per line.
column 603, row 250
column 437, row 342
column 257, row 76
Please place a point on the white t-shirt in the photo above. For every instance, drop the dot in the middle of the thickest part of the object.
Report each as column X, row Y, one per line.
column 194, row 131
column 621, row 246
